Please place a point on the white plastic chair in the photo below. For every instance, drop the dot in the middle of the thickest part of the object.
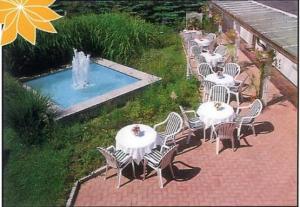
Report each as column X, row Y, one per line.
column 196, row 50
column 193, row 122
column 207, row 85
column 204, row 69
column 199, row 59
column 116, row 159
column 232, row 69
column 211, row 36
column 247, row 119
column 224, row 131
column 173, row 125
column 158, row 161
column 221, row 49
column 219, row 93
column 237, row 90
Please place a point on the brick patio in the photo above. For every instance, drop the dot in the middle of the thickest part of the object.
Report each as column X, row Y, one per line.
column 262, row 170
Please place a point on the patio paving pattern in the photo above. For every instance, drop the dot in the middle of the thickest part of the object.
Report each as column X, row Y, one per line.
column 261, row 171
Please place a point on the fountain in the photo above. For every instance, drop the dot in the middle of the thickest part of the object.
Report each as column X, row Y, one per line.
column 80, row 69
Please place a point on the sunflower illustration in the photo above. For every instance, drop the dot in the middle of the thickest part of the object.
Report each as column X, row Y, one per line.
column 23, row 17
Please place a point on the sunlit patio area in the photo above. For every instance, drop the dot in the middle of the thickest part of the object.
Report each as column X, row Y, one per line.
column 261, row 170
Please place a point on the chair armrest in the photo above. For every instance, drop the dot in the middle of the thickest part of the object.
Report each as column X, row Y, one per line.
column 242, row 107
column 159, row 124
column 243, row 118
column 164, row 147
column 191, row 111
column 111, row 148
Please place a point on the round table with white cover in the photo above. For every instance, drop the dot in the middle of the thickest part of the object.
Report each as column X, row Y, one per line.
column 225, row 80
column 203, row 42
column 209, row 114
column 212, row 59
column 137, row 146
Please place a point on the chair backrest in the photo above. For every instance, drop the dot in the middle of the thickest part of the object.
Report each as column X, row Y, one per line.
column 256, row 108
column 204, row 69
column 168, row 157
column 232, row 69
column 225, row 130
column 196, row 50
column 221, row 49
column 207, row 85
column 185, row 117
column 174, row 123
column 192, row 43
column 109, row 157
column 188, row 36
column 219, row 93
column 199, row 58
column 211, row 36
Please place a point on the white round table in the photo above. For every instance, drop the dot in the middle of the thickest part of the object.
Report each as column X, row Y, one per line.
column 137, row 146
column 227, row 80
column 203, row 42
column 211, row 116
column 212, row 59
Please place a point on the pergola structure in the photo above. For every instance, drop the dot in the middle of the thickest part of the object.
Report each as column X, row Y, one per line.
column 277, row 28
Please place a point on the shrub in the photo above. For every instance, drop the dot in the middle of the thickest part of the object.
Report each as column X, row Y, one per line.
column 115, row 36
column 27, row 112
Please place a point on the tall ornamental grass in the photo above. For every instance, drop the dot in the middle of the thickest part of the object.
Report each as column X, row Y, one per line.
column 26, row 111
column 115, row 36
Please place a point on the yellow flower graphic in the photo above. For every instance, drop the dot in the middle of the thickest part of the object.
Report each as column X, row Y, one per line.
column 24, row 17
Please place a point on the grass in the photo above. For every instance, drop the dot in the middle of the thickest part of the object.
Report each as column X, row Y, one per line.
column 44, row 175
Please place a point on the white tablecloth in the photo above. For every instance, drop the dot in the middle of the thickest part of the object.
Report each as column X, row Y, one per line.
column 203, row 42
column 211, row 116
column 212, row 60
column 227, row 80
column 137, row 146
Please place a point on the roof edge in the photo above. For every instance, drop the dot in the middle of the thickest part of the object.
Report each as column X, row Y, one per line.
column 278, row 10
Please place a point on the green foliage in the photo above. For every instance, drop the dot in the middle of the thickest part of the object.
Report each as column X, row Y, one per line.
column 27, row 112
column 114, row 36
column 165, row 12
column 208, row 25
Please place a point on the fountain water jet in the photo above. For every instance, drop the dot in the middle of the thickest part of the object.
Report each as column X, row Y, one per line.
column 80, row 69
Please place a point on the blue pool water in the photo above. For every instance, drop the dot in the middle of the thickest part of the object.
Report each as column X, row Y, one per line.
column 59, row 88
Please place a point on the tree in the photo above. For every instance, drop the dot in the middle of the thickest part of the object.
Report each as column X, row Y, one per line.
column 265, row 60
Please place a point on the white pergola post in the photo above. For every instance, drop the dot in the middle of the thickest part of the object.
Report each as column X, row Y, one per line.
column 237, row 40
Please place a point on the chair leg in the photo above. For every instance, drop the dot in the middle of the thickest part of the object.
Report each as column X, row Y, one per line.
column 133, row 168
column 204, row 134
column 237, row 99
column 160, row 178
column 253, row 129
column 106, row 168
column 189, row 137
column 217, row 145
column 174, row 142
column 145, row 165
column 172, row 172
column 239, row 133
column 119, row 177
column 232, row 144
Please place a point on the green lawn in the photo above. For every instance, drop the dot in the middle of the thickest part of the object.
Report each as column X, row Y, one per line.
column 43, row 175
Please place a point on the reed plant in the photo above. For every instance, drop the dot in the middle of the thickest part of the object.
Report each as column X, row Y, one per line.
column 115, row 36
